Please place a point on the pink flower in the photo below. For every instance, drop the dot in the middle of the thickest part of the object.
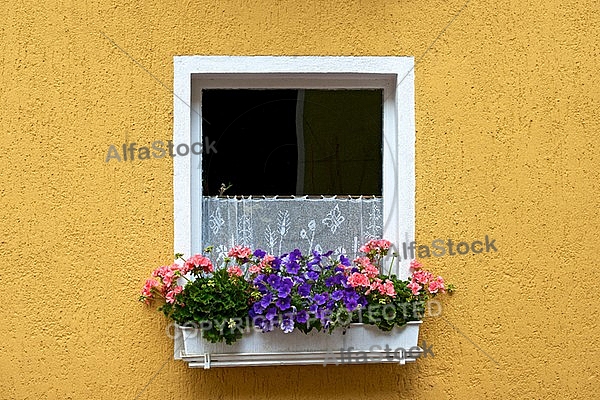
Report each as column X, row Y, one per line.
column 375, row 285
column 167, row 277
column 266, row 261
column 362, row 261
column 422, row 276
column 358, row 279
column 380, row 246
column 235, row 271
column 240, row 252
column 364, row 249
column 160, row 271
column 437, row 285
column 170, row 296
column 387, row 288
column 166, row 274
column 151, row 283
column 198, row 261
column 148, row 289
column 433, row 287
column 369, row 247
column 255, row 269
column 371, row 271
column 415, row 265
column 414, row 287
column 383, row 244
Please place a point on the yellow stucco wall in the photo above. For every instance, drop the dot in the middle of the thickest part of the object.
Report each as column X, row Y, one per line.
column 507, row 123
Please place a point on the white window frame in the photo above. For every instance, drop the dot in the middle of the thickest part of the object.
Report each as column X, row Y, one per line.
column 395, row 75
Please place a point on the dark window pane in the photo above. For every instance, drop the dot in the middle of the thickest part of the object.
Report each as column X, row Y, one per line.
column 255, row 135
column 287, row 142
column 342, row 142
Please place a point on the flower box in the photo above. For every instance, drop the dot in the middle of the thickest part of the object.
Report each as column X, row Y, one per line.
column 293, row 309
column 358, row 344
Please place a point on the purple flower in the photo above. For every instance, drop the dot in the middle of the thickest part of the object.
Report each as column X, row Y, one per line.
column 292, row 268
column 329, row 281
column 284, row 288
column 276, row 264
column 351, row 304
column 298, row 280
column 363, row 301
column 258, row 308
column 350, row 293
column 283, row 303
column 302, row 317
column 266, row 325
column 323, row 314
column 259, row 253
column 304, row 290
column 295, row 255
column 321, row 298
column 287, row 325
column 259, row 279
column 287, row 281
column 337, row 295
column 266, row 300
column 271, row 313
column 274, row 280
column 336, row 279
column 261, row 288
column 350, row 299
column 298, row 277
column 313, row 275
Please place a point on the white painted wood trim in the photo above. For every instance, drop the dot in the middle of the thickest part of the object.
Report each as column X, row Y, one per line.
column 404, row 103
column 182, row 177
column 300, row 139
column 295, row 64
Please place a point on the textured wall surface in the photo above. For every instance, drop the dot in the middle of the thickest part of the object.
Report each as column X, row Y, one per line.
column 507, row 145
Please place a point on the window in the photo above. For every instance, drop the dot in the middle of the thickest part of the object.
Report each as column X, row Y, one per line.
column 307, row 176
column 213, row 96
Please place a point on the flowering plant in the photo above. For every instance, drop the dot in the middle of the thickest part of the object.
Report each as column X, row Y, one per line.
column 393, row 301
column 216, row 300
column 291, row 291
column 295, row 291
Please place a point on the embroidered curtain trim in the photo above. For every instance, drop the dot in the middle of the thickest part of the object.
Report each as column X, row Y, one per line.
column 280, row 225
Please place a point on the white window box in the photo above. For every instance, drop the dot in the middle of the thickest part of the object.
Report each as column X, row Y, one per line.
column 360, row 344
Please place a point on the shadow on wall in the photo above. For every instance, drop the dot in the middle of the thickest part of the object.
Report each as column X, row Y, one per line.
column 331, row 382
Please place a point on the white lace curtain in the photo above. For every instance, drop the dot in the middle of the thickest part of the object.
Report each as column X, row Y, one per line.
column 280, row 225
